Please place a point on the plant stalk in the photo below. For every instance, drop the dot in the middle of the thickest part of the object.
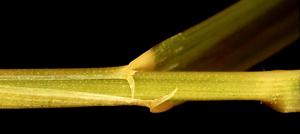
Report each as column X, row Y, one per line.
column 56, row 88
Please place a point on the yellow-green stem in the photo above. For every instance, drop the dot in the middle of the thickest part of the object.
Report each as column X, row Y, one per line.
column 56, row 88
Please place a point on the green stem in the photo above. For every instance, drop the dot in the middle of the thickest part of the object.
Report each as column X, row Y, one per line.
column 281, row 89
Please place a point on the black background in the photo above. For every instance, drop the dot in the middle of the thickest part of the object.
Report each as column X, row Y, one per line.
column 69, row 35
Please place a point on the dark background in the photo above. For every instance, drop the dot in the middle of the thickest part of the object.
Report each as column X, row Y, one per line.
column 69, row 35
